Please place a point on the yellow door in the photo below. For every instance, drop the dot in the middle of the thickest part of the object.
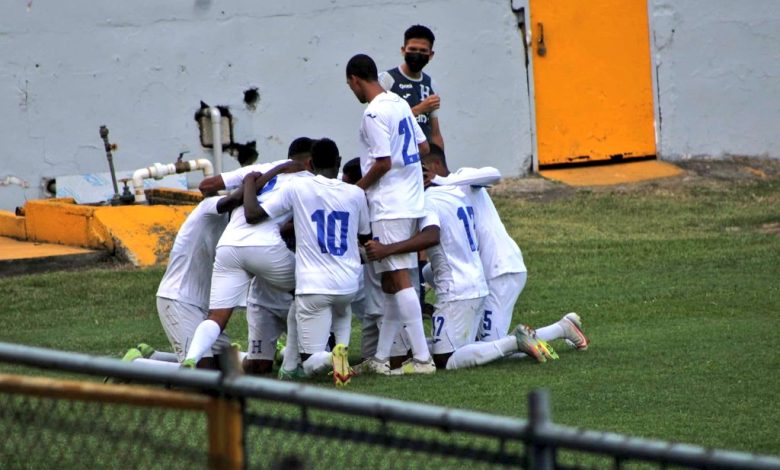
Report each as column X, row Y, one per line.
column 592, row 80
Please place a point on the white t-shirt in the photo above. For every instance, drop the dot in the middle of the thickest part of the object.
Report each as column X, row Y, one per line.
column 233, row 179
column 390, row 130
column 188, row 275
column 329, row 214
column 266, row 233
column 457, row 269
column 497, row 250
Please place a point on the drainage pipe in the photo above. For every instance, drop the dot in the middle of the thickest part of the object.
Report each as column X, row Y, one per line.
column 216, row 137
column 159, row 171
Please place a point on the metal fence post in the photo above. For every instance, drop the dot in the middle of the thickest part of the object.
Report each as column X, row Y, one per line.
column 542, row 455
column 226, row 421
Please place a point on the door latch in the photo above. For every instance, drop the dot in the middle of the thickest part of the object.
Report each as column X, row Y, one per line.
column 541, row 49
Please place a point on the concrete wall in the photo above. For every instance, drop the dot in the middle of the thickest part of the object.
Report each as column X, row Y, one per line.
column 142, row 67
column 718, row 77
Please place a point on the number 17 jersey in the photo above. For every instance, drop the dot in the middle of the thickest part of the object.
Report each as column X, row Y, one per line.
column 328, row 216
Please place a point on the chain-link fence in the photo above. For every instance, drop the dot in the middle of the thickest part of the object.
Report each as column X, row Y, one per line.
column 43, row 432
column 227, row 420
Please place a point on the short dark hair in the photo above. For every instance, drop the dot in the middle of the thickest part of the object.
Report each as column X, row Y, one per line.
column 299, row 146
column 324, row 154
column 353, row 171
column 362, row 66
column 419, row 31
column 436, row 152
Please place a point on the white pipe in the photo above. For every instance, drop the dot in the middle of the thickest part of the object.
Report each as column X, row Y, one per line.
column 159, row 171
column 10, row 179
column 216, row 137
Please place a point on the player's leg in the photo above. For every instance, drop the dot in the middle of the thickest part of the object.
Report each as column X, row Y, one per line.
column 229, row 284
column 314, row 314
column 455, row 325
column 569, row 328
column 264, row 330
column 291, row 363
column 499, row 305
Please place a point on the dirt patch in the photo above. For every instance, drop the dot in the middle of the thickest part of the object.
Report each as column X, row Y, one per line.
column 771, row 229
column 700, row 172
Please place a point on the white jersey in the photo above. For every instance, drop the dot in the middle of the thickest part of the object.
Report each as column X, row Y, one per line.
column 241, row 233
column 187, row 278
column 329, row 214
column 497, row 250
column 389, row 129
column 457, row 269
column 233, row 179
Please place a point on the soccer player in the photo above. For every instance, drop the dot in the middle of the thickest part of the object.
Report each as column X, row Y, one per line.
column 246, row 250
column 459, row 283
column 501, row 258
column 299, row 149
column 329, row 216
column 391, row 143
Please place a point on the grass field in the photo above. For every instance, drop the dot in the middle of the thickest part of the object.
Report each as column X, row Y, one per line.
column 678, row 287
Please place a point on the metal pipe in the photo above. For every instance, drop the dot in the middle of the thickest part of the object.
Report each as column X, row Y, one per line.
column 160, row 170
column 109, row 156
column 216, row 137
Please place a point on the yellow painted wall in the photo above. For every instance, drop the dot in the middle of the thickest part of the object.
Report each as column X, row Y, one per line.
column 593, row 86
column 12, row 226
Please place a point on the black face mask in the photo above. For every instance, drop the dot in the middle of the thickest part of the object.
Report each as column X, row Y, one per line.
column 416, row 61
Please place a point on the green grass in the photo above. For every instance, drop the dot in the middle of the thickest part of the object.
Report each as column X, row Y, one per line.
column 678, row 289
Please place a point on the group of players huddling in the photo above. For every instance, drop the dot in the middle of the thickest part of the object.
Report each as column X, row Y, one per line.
column 356, row 241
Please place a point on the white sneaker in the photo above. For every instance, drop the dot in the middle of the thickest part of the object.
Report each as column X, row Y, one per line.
column 372, row 366
column 572, row 328
column 413, row 366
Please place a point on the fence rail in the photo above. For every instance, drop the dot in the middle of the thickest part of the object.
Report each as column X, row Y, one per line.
column 285, row 424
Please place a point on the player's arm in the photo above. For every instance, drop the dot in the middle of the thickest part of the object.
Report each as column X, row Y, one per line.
column 381, row 166
column 231, row 201
column 254, row 182
column 425, row 238
column 211, row 185
column 436, row 137
column 484, row 176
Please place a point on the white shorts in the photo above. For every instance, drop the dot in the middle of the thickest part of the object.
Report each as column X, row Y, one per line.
column 392, row 231
column 455, row 324
column 179, row 320
column 234, row 267
column 314, row 314
column 499, row 305
column 265, row 327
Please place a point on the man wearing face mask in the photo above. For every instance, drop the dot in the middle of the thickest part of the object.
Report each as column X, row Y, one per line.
column 410, row 83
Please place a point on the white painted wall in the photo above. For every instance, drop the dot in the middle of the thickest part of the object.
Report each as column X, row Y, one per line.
column 718, row 76
column 142, row 67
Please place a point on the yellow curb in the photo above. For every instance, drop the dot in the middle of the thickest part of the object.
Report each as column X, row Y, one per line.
column 616, row 173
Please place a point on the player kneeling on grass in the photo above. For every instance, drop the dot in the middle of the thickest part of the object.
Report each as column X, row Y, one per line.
column 447, row 232
column 329, row 216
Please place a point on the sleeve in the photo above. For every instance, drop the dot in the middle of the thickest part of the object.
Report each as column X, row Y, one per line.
column 233, row 179
column 419, row 135
column 386, row 81
column 279, row 202
column 377, row 134
column 364, row 226
column 484, row 176
column 209, row 205
column 430, row 217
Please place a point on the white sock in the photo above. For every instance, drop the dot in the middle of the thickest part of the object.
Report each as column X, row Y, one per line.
column 205, row 336
column 156, row 363
column 369, row 336
column 387, row 330
column 163, row 356
column 476, row 354
column 317, row 363
column 551, row 332
column 342, row 326
column 407, row 304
